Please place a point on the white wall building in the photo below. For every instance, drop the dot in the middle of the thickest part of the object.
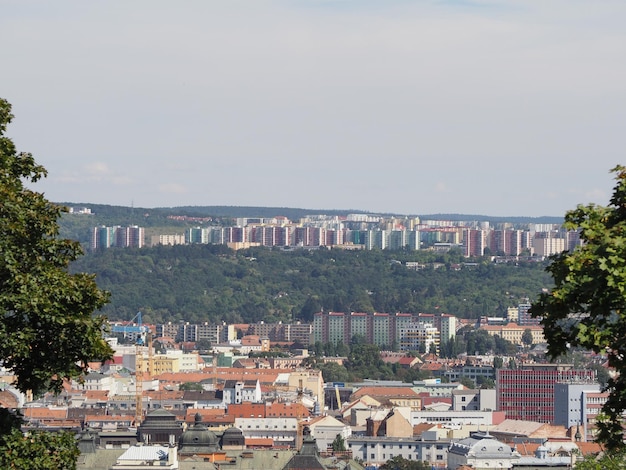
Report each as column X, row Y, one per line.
column 283, row 431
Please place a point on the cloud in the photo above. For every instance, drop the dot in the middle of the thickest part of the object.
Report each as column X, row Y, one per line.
column 441, row 187
column 496, row 94
column 91, row 173
column 97, row 169
column 173, row 188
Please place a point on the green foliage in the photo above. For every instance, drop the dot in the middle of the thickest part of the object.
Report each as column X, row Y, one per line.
column 467, row 382
column 604, row 461
column 187, row 386
column 400, row 463
column 339, row 444
column 476, row 341
column 527, row 337
column 203, row 345
column 47, row 329
column 587, row 307
column 38, row 450
column 333, row 372
column 200, row 283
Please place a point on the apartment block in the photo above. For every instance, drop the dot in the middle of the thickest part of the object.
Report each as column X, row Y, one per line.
column 524, row 317
column 192, row 332
column 405, row 330
column 125, row 237
column 283, row 332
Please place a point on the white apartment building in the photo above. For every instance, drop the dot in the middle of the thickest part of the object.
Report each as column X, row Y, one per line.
column 283, row 431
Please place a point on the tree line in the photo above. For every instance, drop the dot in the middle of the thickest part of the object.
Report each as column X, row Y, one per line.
column 199, row 283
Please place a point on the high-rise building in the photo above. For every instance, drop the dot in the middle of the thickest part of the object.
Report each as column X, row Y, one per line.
column 506, row 242
column 548, row 244
column 528, row 393
column 102, row 237
column 124, row 237
column 383, row 329
column 570, row 405
column 447, row 327
column 524, row 318
column 197, row 235
column 420, row 336
column 474, row 242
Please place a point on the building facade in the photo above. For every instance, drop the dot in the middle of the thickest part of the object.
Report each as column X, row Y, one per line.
column 528, row 393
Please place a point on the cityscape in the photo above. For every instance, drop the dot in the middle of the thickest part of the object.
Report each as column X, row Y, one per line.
column 357, row 231
column 230, row 394
column 312, row 235
column 252, row 388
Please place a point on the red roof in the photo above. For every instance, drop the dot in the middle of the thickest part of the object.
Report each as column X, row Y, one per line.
column 386, row 392
column 259, row 442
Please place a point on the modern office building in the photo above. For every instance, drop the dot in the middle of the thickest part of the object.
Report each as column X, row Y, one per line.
column 528, row 393
column 569, row 402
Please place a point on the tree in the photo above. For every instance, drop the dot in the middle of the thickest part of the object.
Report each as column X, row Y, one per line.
column 203, row 345
column 587, row 306
column 527, row 337
column 400, row 463
column 339, row 444
column 603, row 461
column 467, row 382
column 39, row 450
column 48, row 332
column 191, row 386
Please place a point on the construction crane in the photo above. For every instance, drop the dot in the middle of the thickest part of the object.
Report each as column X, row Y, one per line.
column 142, row 335
column 134, row 328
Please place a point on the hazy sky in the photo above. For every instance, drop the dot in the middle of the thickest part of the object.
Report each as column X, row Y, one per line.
column 413, row 107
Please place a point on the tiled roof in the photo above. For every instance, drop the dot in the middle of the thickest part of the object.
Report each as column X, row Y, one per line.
column 46, row 413
column 8, row 400
column 387, row 392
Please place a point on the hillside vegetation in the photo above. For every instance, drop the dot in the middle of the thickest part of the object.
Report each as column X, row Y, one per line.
column 199, row 283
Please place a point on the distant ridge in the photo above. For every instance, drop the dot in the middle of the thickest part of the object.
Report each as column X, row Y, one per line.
column 513, row 219
column 293, row 213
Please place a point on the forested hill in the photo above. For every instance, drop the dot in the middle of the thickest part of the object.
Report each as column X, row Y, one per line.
column 212, row 283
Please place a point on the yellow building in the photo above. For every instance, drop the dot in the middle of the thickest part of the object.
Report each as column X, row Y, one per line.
column 513, row 332
column 160, row 364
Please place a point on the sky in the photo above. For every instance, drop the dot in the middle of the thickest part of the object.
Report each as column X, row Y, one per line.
column 501, row 108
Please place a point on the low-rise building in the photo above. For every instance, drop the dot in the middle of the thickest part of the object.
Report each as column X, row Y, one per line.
column 479, row 451
column 375, row 451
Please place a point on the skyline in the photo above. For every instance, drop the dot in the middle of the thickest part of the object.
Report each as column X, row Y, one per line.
column 406, row 107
